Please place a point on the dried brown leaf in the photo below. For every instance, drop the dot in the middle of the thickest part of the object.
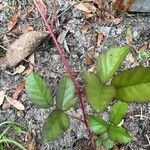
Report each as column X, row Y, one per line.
column 80, row 6
column 116, row 148
column 13, row 20
column 144, row 46
column 6, row 105
column 100, row 38
column 15, row 103
column 27, row 29
column 85, row 28
column 2, row 96
column 18, row 89
column 130, row 58
column 88, row 15
column 122, row 5
column 19, row 69
column 98, row 2
column 116, row 21
column 89, row 60
column 30, row 9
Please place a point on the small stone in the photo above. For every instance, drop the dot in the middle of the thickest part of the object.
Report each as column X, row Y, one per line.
column 135, row 34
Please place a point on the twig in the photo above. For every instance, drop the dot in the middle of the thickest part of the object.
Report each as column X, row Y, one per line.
column 66, row 64
column 148, row 139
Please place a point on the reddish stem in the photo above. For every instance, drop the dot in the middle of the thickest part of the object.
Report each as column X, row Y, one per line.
column 66, row 64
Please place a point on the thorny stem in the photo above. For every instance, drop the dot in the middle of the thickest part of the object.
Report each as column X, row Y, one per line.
column 66, row 64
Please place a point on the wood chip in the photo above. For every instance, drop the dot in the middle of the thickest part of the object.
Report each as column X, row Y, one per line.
column 15, row 103
column 22, row 47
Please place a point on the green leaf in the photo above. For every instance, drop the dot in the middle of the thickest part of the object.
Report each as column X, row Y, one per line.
column 37, row 91
column 109, row 62
column 97, row 124
column 1, row 146
column 18, row 130
column 118, row 112
column 108, row 144
column 65, row 97
column 119, row 134
column 56, row 122
column 133, row 85
column 97, row 95
column 99, row 142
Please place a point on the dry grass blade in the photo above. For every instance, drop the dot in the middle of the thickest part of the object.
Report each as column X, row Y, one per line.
column 2, row 96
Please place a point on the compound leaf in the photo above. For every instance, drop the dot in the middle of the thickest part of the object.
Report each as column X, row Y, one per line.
column 97, row 94
column 65, row 97
column 133, row 85
column 37, row 91
column 56, row 122
column 118, row 112
column 119, row 134
column 109, row 62
column 97, row 124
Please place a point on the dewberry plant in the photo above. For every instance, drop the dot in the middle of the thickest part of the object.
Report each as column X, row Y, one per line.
column 101, row 87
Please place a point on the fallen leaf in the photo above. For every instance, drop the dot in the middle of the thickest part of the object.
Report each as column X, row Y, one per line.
column 100, row 38
column 85, row 28
column 6, row 105
column 31, row 59
column 129, row 37
column 18, row 89
column 2, row 96
column 13, row 20
column 89, row 60
column 15, row 103
column 130, row 58
column 116, row 148
column 98, row 2
column 80, row 6
column 19, row 69
column 27, row 29
column 116, row 21
column 144, row 46
column 122, row 5
column 88, row 15
column 91, row 7
column 31, row 141
column 30, row 9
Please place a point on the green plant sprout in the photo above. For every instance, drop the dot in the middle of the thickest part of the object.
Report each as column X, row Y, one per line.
column 132, row 85
column 16, row 128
